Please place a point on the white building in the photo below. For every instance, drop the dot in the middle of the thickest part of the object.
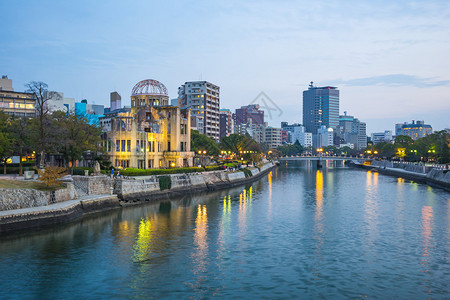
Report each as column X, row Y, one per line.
column 304, row 138
column 56, row 101
column 203, row 98
column 324, row 137
column 385, row 136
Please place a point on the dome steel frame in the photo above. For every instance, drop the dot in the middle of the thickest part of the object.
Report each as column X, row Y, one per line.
column 149, row 87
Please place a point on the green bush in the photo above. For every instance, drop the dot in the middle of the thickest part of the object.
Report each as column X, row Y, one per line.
column 247, row 172
column 142, row 172
column 213, row 168
column 165, row 182
column 80, row 170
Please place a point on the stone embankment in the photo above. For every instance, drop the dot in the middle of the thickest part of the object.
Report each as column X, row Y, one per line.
column 28, row 208
column 147, row 188
column 420, row 173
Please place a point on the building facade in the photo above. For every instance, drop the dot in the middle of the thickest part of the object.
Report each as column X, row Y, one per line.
column 351, row 131
column 226, row 123
column 13, row 103
column 55, row 101
column 378, row 137
column 320, row 107
column 203, row 99
column 416, row 130
column 151, row 134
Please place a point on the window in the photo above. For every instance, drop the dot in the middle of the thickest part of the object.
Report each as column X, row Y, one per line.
column 117, row 145
column 168, row 146
column 123, row 145
column 137, row 146
column 128, row 145
column 182, row 146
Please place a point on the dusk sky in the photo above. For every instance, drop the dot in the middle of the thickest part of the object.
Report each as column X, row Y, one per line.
column 389, row 59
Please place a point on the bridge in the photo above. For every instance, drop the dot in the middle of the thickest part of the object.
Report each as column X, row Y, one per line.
column 314, row 158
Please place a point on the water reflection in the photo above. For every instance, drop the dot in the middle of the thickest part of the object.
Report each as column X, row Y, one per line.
column 269, row 182
column 319, row 202
column 427, row 219
column 371, row 207
column 201, row 239
column 142, row 248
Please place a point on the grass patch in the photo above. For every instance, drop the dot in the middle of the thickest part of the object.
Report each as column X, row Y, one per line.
column 22, row 184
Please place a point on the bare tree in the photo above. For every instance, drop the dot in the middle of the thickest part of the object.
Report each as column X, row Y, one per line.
column 39, row 89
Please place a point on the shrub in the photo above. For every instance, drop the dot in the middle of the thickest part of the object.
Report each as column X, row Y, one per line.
column 80, row 170
column 51, row 174
column 141, row 172
column 165, row 182
column 247, row 172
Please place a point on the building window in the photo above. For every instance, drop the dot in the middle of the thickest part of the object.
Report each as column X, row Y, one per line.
column 117, row 145
column 168, row 146
column 137, row 146
column 123, row 145
column 182, row 146
column 128, row 145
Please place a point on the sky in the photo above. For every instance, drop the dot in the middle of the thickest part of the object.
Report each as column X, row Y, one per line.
column 389, row 59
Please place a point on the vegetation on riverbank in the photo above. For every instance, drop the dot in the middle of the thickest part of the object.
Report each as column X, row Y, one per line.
column 21, row 184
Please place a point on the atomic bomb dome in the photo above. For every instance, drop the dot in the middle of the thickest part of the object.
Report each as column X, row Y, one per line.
column 148, row 93
column 149, row 87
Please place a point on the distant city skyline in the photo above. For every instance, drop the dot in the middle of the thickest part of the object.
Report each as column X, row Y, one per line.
column 389, row 60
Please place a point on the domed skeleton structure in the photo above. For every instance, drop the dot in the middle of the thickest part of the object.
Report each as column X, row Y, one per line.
column 148, row 93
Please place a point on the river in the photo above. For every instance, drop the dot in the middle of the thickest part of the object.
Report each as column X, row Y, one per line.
column 298, row 232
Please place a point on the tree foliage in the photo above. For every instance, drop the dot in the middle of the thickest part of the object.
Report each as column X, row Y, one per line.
column 291, row 149
column 201, row 142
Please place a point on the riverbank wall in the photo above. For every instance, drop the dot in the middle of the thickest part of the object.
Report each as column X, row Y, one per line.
column 146, row 188
column 423, row 174
column 53, row 214
column 101, row 193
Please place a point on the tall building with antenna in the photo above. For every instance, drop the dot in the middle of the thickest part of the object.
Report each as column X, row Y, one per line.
column 320, row 107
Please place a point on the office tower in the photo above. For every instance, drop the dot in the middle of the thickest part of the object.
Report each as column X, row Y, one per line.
column 203, row 98
column 351, row 131
column 320, row 107
column 226, row 123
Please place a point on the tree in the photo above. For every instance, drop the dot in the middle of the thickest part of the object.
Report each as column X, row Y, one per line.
column 5, row 149
column 291, row 149
column 38, row 89
column 76, row 135
column 243, row 145
column 201, row 142
column 403, row 141
column 20, row 132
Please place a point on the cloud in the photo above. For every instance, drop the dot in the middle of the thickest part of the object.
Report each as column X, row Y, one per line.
column 393, row 80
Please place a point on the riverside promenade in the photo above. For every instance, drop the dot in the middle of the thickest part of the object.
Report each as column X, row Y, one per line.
column 91, row 194
column 437, row 176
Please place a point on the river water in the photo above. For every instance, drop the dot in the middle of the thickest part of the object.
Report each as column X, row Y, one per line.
column 298, row 232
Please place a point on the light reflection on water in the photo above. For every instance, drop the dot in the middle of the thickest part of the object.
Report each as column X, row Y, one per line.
column 297, row 233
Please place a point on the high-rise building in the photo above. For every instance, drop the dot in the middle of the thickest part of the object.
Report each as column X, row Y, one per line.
column 416, row 130
column 249, row 114
column 320, row 107
column 226, row 123
column 115, row 101
column 203, row 98
column 351, row 131
column 16, row 103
